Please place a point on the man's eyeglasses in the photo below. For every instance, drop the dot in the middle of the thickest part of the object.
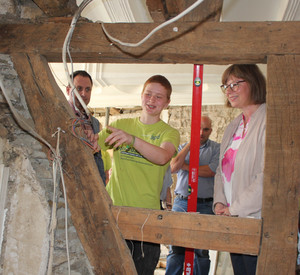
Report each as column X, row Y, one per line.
column 233, row 86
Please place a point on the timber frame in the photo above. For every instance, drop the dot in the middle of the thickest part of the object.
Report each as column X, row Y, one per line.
column 100, row 226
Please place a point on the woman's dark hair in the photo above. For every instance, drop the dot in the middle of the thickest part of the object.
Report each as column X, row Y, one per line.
column 253, row 76
column 162, row 81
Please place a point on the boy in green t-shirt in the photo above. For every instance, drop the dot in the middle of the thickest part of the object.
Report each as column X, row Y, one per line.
column 143, row 148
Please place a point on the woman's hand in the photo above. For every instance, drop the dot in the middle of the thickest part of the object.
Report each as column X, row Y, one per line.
column 221, row 209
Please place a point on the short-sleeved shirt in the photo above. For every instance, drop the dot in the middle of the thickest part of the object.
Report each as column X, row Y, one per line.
column 106, row 160
column 209, row 155
column 135, row 181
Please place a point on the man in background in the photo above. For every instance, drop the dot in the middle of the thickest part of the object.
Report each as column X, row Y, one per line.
column 208, row 162
column 84, row 84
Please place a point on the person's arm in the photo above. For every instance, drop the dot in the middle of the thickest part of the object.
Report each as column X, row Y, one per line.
column 107, row 177
column 221, row 209
column 93, row 139
column 219, row 193
column 203, row 170
column 220, row 205
column 178, row 162
column 169, row 199
column 158, row 155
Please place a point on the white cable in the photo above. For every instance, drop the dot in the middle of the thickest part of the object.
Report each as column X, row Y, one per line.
column 23, row 124
column 66, row 50
column 66, row 218
column 154, row 30
column 53, row 222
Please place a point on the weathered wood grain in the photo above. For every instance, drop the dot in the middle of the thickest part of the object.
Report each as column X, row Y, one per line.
column 87, row 198
column 162, row 10
column 194, row 43
column 239, row 235
column 282, row 173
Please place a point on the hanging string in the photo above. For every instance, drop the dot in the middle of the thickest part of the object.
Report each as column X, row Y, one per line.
column 142, row 230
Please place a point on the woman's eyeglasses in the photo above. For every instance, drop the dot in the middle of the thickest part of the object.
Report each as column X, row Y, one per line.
column 233, row 86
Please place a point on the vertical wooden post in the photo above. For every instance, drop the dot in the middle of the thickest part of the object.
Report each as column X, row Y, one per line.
column 282, row 171
column 88, row 201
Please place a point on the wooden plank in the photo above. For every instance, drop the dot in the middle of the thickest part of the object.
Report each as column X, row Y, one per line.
column 221, row 233
column 282, row 173
column 203, row 43
column 87, row 198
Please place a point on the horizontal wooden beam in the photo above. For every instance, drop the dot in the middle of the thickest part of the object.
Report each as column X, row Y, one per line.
column 202, row 42
column 239, row 235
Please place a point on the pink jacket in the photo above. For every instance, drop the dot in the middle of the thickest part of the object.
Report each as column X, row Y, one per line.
column 247, row 189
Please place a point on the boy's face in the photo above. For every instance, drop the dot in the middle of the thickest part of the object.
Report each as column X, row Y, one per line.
column 154, row 99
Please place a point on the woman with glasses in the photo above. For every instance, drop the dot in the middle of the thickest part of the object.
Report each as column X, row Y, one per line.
column 239, row 177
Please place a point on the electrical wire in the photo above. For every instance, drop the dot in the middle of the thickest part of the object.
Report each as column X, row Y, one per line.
column 55, row 165
column 66, row 45
column 66, row 49
column 189, row 9
column 79, row 123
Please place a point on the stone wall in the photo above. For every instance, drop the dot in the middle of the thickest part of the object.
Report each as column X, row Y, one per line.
column 180, row 118
column 16, row 11
column 25, row 236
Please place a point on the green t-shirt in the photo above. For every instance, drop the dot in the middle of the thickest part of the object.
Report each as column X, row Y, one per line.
column 106, row 160
column 135, row 181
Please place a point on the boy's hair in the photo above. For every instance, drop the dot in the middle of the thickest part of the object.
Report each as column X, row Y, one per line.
column 162, row 81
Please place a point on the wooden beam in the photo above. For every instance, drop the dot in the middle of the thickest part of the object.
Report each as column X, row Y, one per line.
column 57, row 7
column 87, row 198
column 157, row 10
column 204, row 43
column 208, row 10
column 282, row 173
column 239, row 235
column 162, row 10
